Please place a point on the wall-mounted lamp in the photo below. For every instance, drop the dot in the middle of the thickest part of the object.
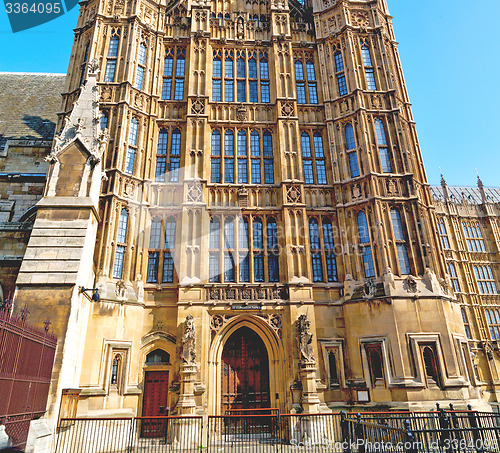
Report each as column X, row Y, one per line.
column 95, row 294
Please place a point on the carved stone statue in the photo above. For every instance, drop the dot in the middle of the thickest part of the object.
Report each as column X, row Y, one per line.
column 189, row 341
column 305, row 339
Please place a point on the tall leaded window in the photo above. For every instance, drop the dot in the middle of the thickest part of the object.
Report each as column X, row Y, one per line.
column 132, row 146
column 168, row 156
column 452, row 271
column 383, row 148
column 114, row 42
column 250, row 245
column 161, row 250
column 443, row 234
column 215, row 170
column 229, row 156
column 466, row 323
column 485, row 279
column 399, row 236
column 141, row 66
column 242, row 157
column 313, row 158
column 473, row 237
column 365, row 245
column 368, row 65
column 272, row 250
column 493, row 318
column 305, row 79
column 121, row 239
column 174, row 72
column 340, row 73
column 241, row 75
column 84, row 63
column 322, row 250
column 254, row 156
column 352, row 154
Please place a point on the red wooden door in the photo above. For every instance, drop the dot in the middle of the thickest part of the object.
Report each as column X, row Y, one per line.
column 155, row 403
column 245, row 372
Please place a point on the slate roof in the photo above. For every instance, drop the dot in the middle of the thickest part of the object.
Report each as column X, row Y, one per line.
column 470, row 195
column 28, row 105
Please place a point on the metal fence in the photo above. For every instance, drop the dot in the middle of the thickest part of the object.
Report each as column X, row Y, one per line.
column 376, row 432
column 26, row 359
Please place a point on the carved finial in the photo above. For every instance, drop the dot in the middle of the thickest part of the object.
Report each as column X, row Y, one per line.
column 444, row 185
column 94, row 67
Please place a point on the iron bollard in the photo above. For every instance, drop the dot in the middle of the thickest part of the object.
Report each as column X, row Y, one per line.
column 346, row 438
column 359, row 435
column 476, row 434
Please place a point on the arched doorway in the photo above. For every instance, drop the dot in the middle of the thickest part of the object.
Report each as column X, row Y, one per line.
column 245, row 372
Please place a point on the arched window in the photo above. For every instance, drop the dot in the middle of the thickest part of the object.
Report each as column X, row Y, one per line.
column 229, row 76
column 430, row 364
column 265, row 95
column 121, row 239
column 314, row 239
column 114, row 43
column 216, row 77
column 84, row 63
column 485, row 279
column 383, row 149
column 369, row 70
column 168, row 155
column 313, row 159
column 400, row 240
column 352, row 154
column 141, row 66
column 161, row 155
column 154, row 251
column 329, row 249
column 158, row 357
column 305, row 79
column 332, row 368
column 216, row 157
column 116, row 369
column 132, row 146
column 493, row 319
column 473, row 237
column 242, row 157
column 252, row 78
column 175, row 156
column 241, row 75
column 452, row 271
column 374, row 355
column 466, row 323
column 366, row 249
column 340, row 74
column 443, row 234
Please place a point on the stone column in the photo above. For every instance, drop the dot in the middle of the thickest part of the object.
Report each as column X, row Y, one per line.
column 187, row 404
column 307, row 367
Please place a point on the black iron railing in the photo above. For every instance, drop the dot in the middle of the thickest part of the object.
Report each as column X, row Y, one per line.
column 371, row 432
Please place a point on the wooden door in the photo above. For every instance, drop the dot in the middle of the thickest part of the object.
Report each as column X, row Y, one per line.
column 155, row 403
column 245, row 372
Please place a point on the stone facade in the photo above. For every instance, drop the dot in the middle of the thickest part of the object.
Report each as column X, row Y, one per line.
column 198, row 204
column 468, row 226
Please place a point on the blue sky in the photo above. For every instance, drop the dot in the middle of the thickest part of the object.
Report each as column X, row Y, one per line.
column 450, row 57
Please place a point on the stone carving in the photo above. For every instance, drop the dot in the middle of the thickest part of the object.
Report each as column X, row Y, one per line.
column 194, row 192
column 189, row 341
column 198, row 107
column 392, row 188
column 120, row 289
column 360, row 19
column 241, row 113
column 293, row 194
column 305, row 339
column 411, row 284
column 287, row 108
column 356, row 192
column 216, row 322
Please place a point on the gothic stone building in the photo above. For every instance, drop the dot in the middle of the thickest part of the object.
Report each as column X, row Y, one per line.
column 243, row 184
